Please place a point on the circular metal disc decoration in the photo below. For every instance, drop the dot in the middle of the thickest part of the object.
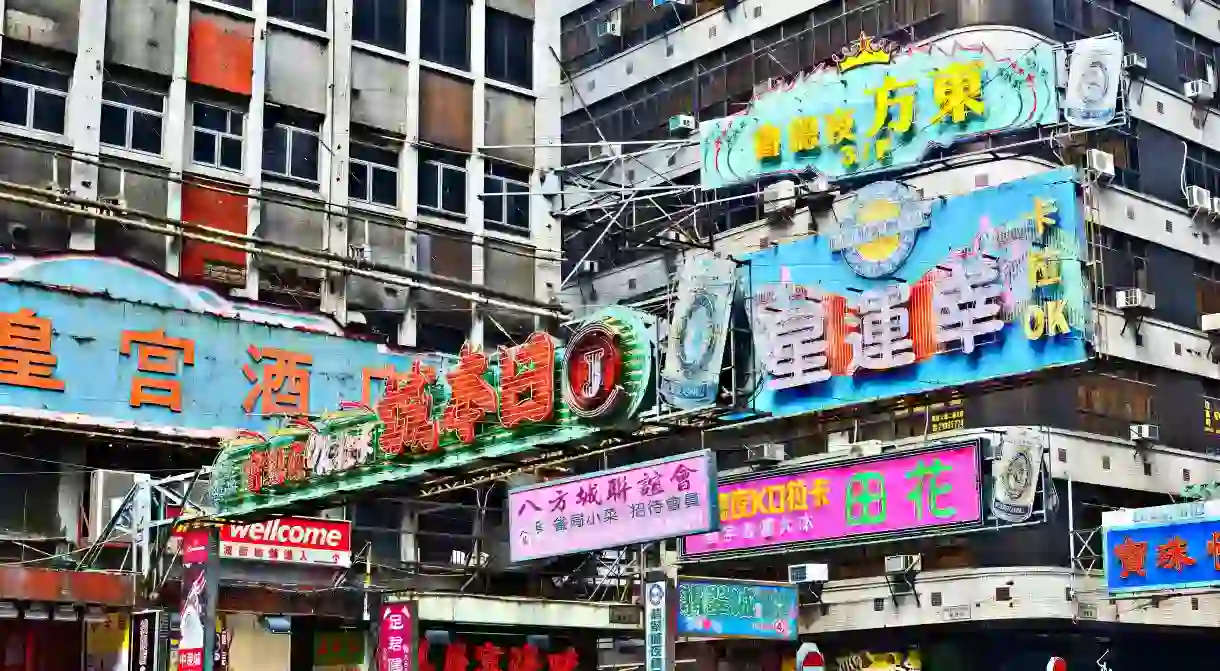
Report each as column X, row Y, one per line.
column 878, row 232
column 593, row 371
column 695, row 327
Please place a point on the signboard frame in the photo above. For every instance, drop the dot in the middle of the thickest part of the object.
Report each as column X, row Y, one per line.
column 789, row 589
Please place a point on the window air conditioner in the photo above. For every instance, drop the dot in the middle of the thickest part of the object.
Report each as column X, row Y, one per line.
column 1215, row 207
column 780, row 197
column 1101, row 162
column 1198, row 199
column 1198, row 91
column 903, row 563
column 1135, row 63
column 1210, row 323
column 807, row 573
column 604, row 150
column 766, row 453
column 1134, row 299
column 612, row 26
column 682, row 124
column 1146, row 433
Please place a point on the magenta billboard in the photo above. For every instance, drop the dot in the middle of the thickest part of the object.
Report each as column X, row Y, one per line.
column 666, row 498
column 881, row 497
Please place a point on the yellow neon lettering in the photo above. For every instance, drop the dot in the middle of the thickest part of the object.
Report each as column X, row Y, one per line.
column 775, row 500
column 803, row 134
column 1043, row 269
column 743, row 503
column 841, row 126
column 889, row 100
column 798, row 496
column 766, row 142
column 1043, row 209
column 848, row 152
column 726, row 509
column 1056, row 319
column 820, row 492
column 958, row 91
column 1035, row 322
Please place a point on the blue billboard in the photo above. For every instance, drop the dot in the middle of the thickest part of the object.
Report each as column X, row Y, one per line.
column 912, row 294
column 730, row 609
column 1162, row 548
column 879, row 107
column 99, row 341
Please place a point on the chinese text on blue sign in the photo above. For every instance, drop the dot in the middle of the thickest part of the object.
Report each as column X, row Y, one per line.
column 910, row 295
column 1179, row 549
column 734, row 609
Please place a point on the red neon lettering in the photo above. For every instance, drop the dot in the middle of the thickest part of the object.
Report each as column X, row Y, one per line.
column 471, row 398
column 527, row 381
column 406, row 412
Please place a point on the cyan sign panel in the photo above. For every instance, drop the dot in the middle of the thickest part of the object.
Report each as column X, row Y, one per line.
column 1180, row 550
column 727, row 609
column 879, row 107
column 121, row 346
column 914, row 294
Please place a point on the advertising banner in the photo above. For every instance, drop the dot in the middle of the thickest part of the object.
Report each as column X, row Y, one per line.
column 881, row 497
column 532, row 649
column 144, row 649
column 107, row 643
column 397, row 634
column 658, row 620
column 910, row 295
column 694, row 356
column 880, row 107
column 285, row 540
column 866, row 660
column 1095, row 74
column 665, row 498
column 479, row 407
column 1163, row 548
column 730, row 609
column 1015, row 476
column 193, row 623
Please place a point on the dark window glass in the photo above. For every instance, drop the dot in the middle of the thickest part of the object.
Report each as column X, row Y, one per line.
column 445, row 32
column 510, row 48
column 304, row 163
column 429, row 184
column 204, row 148
column 380, row 22
column 50, row 112
column 230, row 153
column 310, row 13
column 114, row 125
column 385, row 186
column 14, row 104
column 275, row 150
column 146, row 132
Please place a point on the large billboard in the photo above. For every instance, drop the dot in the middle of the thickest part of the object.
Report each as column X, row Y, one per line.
column 910, row 294
column 888, row 496
column 1163, row 548
column 737, row 609
column 657, row 499
column 99, row 341
column 481, row 407
column 879, row 107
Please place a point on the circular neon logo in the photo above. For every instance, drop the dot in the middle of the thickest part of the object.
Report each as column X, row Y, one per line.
column 879, row 230
column 592, row 372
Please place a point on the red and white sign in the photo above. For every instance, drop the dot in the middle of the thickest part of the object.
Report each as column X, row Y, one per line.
column 809, row 658
column 293, row 540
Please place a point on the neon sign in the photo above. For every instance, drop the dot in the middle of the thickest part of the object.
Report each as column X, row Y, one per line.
column 429, row 417
column 878, row 107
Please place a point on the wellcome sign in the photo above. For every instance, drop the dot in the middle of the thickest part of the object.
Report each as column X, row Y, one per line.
column 432, row 418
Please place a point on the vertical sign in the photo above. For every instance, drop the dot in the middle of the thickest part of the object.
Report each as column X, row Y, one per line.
column 196, row 631
column 695, row 350
column 143, row 648
column 659, row 649
column 396, row 637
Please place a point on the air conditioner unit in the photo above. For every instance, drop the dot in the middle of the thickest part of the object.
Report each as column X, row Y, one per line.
column 1101, row 162
column 612, row 26
column 780, row 197
column 1198, row 199
column 1135, row 63
column 682, row 124
column 866, row 448
column 590, row 267
column 799, row 574
column 1134, row 299
column 1215, row 207
column 1210, row 323
column 903, row 564
column 659, row 3
column 604, row 150
column 766, row 453
column 1145, row 433
column 360, row 252
column 107, row 490
column 1198, row 91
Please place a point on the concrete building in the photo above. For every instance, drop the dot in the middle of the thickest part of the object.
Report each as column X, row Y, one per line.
column 632, row 67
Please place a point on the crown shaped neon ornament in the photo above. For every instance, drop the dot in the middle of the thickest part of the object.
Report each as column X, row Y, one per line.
column 865, row 51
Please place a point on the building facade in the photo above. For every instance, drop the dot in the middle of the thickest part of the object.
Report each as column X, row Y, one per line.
column 634, row 67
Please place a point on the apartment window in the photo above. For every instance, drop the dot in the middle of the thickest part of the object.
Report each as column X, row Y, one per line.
column 510, row 48
column 1110, row 404
column 506, row 201
column 1196, row 55
column 291, row 151
column 216, row 139
column 1203, row 168
column 445, row 32
column 1078, row 19
column 1207, row 286
column 33, row 97
column 131, row 118
column 1120, row 143
column 310, row 13
column 373, row 174
column 442, row 181
column 380, row 22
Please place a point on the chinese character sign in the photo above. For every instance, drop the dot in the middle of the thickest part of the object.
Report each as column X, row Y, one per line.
column 658, row 499
column 910, row 294
column 1159, row 556
column 911, row 492
column 881, row 108
column 396, row 637
column 736, row 609
column 658, row 629
column 467, row 652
